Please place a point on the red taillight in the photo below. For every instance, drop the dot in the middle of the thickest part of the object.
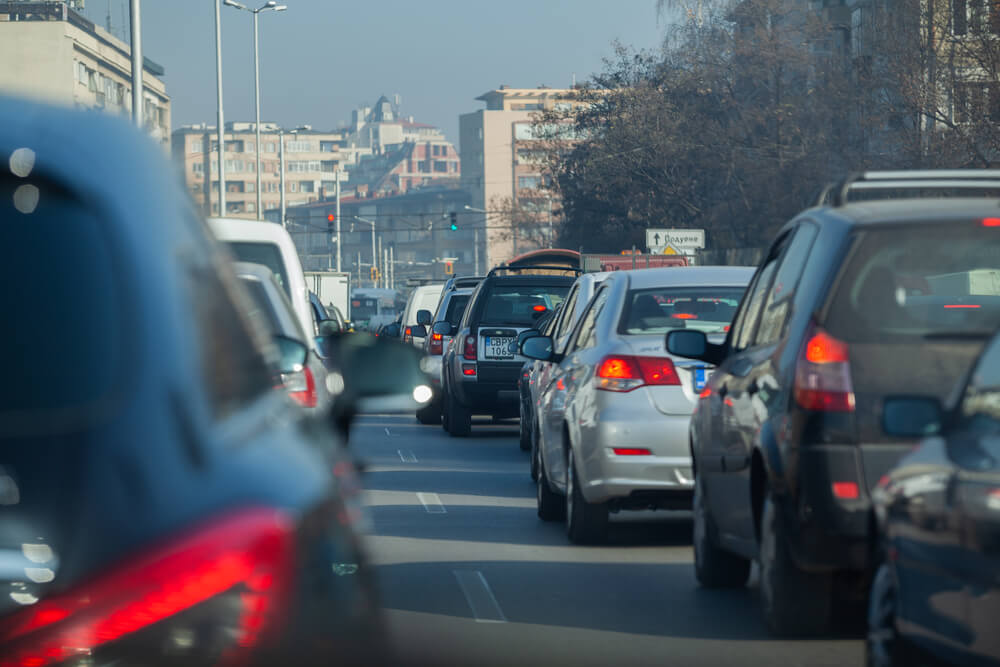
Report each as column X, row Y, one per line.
column 961, row 305
column 408, row 335
column 247, row 555
column 991, row 222
column 631, row 451
column 539, row 308
column 626, row 372
column 823, row 375
column 684, row 316
column 846, row 490
column 468, row 369
column 302, row 387
column 469, row 350
column 436, row 344
column 705, row 393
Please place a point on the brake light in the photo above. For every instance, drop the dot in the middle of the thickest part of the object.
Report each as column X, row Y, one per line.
column 961, row 305
column 705, row 393
column 626, row 372
column 469, row 351
column 408, row 335
column 823, row 375
column 630, row 451
column 846, row 490
column 436, row 344
column 468, row 369
column 539, row 308
column 301, row 386
column 247, row 556
column 991, row 222
column 684, row 316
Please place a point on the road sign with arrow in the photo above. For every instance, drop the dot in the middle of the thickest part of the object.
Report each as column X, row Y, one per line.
column 682, row 240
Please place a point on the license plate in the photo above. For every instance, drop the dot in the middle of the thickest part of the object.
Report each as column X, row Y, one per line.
column 498, row 347
column 700, row 378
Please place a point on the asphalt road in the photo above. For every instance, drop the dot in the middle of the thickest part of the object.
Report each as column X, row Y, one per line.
column 470, row 576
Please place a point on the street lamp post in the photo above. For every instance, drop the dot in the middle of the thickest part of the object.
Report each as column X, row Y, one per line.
column 221, row 128
column 272, row 5
column 475, row 242
column 372, row 223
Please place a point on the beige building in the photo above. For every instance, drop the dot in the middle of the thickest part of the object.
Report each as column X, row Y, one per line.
column 51, row 53
column 502, row 170
column 312, row 160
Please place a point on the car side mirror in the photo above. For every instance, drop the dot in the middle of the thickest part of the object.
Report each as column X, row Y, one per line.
column 329, row 328
column 424, row 317
column 418, row 330
column 292, row 354
column 443, row 328
column 391, row 330
column 378, row 375
column 538, row 347
column 912, row 416
column 694, row 345
column 526, row 334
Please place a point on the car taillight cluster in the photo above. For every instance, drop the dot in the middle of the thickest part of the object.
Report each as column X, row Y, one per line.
column 245, row 561
column 823, row 375
column 627, row 372
column 408, row 335
column 301, row 386
column 469, row 349
column 436, row 344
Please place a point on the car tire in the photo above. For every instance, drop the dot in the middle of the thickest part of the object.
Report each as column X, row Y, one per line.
column 525, row 430
column 445, row 402
column 430, row 413
column 883, row 645
column 551, row 506
column 459, row 418
column 586, row 523
column 714, row 567
column 535, row 453
column 795, row 603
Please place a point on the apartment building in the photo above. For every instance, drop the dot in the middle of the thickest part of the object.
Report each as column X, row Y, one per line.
column 312, row 161
column 503, row 170
column 53, row 54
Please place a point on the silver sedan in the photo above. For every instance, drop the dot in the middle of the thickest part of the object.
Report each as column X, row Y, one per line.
column 614, row 415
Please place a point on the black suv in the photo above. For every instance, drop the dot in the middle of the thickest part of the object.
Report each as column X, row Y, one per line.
column 481, row 367
column 852, row 303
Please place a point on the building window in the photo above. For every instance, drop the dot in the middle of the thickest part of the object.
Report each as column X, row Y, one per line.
column 293, row 186
column 250, row 147
column 440, row 167
column 330, row 186
column 198, row 168
column 269, row 147
column 975, row 102
column 81, row 72
column 234, row 146
column 328, row 147
column 328, row 166
column 234, row 186
column 251, row 186
column 251, row 207
column 298, row 146
column 306, row 186
column 215, row 209
column 528, row 182
column 978, row 17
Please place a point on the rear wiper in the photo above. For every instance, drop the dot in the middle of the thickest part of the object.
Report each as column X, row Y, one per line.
column 972, row 335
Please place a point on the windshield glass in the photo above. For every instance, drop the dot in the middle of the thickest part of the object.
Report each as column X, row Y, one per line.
column 661, row 309
column 267, row 254
column 521, row 305
column 917, row 282
column 61, row 299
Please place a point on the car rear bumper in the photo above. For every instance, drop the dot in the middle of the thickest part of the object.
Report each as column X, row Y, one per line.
column 493, row 390
column 663, row 475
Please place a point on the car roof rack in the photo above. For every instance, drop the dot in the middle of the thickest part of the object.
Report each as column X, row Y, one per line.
column 466, row 281
column 532, row 267
column 835, row 194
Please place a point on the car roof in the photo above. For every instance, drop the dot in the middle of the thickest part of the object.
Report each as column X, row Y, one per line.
column 687, row 276
column 237, row 229
column 532, row 279
column 910, row 209
column 258, row 271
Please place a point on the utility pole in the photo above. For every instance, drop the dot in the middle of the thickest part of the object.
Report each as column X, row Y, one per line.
column 381, row 256
column 219, row 119
column 475, row 250
column 392, row 267
column 551, row 231
column 256, row 94
column 281, row 174
column 336, row 188
column 136, row 27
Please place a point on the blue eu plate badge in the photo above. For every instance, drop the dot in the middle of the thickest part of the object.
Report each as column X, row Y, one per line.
column 699, row 378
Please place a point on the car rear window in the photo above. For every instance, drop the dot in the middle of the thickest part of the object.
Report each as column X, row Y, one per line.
column 661, row 309
column 456, row 307
column 262, row 308
column 918, row 281
column 62, row 303
column 267, row 254
column 521, row 305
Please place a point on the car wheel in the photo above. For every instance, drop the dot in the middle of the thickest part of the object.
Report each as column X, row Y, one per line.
column 525, row 429
column 586, row 523
column 795, row 603
column 459, row 418
column 430, row 413
column 713, row 566
column 883, row 645
column 535, row 454
column 550, row 504
column 445, row 414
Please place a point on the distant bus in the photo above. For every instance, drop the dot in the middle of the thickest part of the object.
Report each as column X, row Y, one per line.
column 372, row 307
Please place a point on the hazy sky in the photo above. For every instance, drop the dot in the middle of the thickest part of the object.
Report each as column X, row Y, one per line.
column 323, row 58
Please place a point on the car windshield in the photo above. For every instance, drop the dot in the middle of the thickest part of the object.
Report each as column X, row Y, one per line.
column 661, row 309
column 919, row 282
column 267, row 254
column 521, row 305
column 64, row 336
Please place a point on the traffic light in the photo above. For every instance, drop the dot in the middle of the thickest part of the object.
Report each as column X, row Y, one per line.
column 449, row 268
column 330, row 219
column 454, row 221
column 373, row 273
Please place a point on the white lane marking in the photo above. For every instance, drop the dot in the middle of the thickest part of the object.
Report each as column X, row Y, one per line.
column 406, row 456
column 387, row 431
column 432, row 503
column 482, row 602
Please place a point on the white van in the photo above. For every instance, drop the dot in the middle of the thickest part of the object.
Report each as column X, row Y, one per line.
column 269, row 244
column 425, row 297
